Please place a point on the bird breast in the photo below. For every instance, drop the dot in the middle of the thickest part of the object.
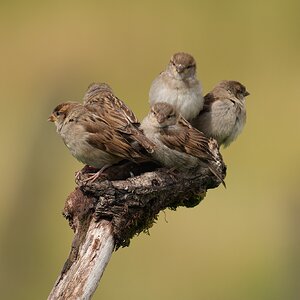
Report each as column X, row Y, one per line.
column 186, row 96
column 76, row 138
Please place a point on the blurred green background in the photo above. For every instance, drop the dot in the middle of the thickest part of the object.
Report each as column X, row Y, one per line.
column 239, row 243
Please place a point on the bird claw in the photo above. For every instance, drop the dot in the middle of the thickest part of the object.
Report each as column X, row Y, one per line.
column 93, row 177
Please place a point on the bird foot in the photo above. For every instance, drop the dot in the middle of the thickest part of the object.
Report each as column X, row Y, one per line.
column 84, row 170
column 95, row 176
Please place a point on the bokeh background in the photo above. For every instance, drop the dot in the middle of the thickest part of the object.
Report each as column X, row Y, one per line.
column 242, row 242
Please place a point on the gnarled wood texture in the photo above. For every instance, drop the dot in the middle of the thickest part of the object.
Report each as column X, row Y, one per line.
column 107, row 213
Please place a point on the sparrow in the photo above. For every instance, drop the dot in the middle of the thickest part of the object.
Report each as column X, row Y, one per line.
column 100, row 99
column 178, row 144
column 94, row 140
column 224, row 113
column 179, row 86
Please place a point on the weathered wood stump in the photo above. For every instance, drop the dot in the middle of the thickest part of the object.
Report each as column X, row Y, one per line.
column 107, row 213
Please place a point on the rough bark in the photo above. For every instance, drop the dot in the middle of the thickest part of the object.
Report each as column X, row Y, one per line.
column 107, row 213
column 86, row 264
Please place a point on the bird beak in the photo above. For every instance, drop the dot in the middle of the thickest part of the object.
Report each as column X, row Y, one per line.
column 52, row 118
column 160, row 119
column 180, row 68
column 246, row 93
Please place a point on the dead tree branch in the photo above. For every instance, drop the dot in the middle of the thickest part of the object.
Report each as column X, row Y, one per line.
column 106, row 214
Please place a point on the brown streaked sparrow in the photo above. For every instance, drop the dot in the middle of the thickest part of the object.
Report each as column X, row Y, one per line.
column 93, row 140
column 178, row 144
column 224, row 113
column 179, row 86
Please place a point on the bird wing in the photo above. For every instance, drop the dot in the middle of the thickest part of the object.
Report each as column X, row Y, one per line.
column 187, row 139
column 119, row 117
column 103, row 136
column 193, row 142
column 208, row 100
column 106, row 102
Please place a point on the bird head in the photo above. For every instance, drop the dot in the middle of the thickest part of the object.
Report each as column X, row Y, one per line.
column 235, row 89
column 60, row 112
column 163, row 114
column 182, row 66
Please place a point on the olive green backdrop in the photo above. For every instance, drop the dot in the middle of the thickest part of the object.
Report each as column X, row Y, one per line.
column 242, row 242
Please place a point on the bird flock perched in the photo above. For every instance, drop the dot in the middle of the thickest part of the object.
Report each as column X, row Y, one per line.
column 102, row 131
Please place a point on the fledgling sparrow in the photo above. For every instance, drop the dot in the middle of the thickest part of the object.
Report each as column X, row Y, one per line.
column 93, row 140
column 178, row 144
column 179, row 86
column 224, row 113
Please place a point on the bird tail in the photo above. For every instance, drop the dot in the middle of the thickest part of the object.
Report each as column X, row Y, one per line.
column 142, row 140
column 217, row 174
column 137, row 136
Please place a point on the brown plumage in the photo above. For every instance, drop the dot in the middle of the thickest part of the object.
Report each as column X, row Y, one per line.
column 186, row 139
column 102, row 131
column 182, row 60
column 99, row 99
column 223, row 116
column 178, row 144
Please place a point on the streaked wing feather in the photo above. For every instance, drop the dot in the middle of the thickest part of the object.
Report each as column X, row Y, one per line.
column 106, row 102
column 120, row 117
column 187, row 139
column 104, row 137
